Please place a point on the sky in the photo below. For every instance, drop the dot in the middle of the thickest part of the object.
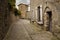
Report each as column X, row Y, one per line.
column 22, row 1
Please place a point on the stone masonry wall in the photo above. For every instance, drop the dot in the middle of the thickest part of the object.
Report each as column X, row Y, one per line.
column 54, row 7
column 4, row 18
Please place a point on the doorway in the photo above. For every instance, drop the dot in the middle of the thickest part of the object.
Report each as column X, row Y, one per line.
column 49, row 20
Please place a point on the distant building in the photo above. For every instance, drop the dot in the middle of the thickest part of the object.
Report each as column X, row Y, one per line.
column 24, row 9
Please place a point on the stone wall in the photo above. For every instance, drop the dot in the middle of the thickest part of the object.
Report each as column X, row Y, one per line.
column 6, row 18
column 54, row 7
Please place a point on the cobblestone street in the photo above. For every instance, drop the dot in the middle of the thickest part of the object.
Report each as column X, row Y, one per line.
column 24, row 30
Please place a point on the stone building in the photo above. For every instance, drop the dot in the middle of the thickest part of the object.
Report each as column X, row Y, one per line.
column 46, row 12
column 23, row 8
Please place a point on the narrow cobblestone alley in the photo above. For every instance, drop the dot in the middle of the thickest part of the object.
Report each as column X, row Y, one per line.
column 23, row 30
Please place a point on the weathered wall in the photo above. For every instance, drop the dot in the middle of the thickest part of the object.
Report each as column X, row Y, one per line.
column 34, row 5
column 6, row 18
column 54, row 6
column 28, row 15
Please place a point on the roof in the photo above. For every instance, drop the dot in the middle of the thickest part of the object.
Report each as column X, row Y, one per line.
column 23, row 4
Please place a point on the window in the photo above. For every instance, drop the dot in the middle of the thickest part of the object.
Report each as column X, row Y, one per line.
column 38, row 10
column 39, row 14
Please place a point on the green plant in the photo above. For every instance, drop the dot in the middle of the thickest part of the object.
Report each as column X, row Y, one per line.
column 17, row 12
column 11, row 4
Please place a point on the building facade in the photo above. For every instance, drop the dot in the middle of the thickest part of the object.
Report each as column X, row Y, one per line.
column 46, row 12
column 23, row 8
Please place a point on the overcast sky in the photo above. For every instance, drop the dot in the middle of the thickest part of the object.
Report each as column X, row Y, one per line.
column 22, row 1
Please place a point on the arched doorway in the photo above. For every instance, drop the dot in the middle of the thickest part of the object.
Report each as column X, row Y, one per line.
column 48, row 19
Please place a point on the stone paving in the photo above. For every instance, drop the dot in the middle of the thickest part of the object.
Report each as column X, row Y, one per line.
column 24, row 30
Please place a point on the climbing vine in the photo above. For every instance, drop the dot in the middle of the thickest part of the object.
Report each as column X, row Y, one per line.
column 11, row 5
column 17, row 12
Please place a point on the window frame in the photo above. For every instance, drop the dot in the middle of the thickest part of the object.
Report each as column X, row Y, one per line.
column 41, row 15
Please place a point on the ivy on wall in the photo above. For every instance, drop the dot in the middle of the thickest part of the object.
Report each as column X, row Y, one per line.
column 17, row 12
column 11, row 5
column 12, row 2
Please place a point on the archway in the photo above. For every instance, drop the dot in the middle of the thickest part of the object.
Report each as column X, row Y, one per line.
column 48, row 19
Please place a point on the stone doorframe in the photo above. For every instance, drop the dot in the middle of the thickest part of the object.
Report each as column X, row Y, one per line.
column 47, row 19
